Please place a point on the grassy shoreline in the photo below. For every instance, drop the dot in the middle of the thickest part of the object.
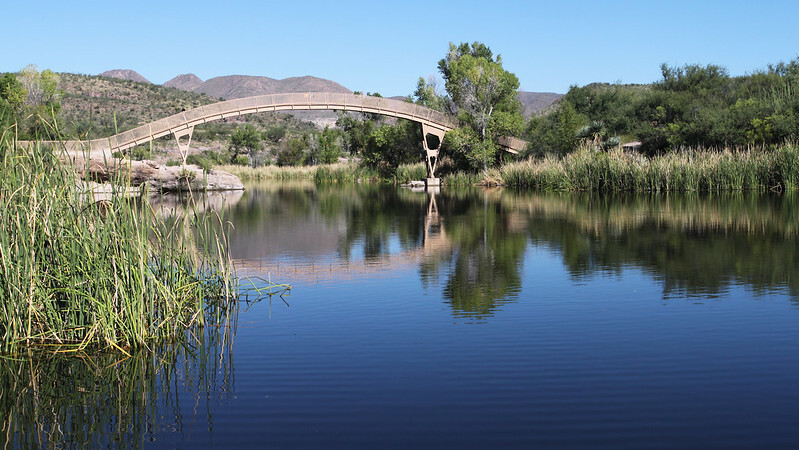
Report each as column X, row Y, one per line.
column 774, row 169
column 698, row 171
column 76, row 272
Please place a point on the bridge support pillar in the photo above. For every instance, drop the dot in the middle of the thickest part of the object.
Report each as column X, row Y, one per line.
column 431, row 140
column 183, row 144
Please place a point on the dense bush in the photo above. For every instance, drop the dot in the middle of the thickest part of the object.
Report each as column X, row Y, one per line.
column 207, row 159
column 690, row 107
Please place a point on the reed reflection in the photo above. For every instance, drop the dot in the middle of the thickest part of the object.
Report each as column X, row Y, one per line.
column 93, row 400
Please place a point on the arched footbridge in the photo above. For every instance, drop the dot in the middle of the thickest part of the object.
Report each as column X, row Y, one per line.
column 181, row 125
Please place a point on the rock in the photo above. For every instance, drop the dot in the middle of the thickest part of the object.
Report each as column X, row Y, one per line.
column 188, row 177
column 157, row 177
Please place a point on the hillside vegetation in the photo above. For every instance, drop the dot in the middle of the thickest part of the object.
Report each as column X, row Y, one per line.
column 99, row 106
column 691, row 107
column 96, row 106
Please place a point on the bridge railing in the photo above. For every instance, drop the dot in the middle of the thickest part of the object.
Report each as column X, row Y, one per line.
column 277, row 102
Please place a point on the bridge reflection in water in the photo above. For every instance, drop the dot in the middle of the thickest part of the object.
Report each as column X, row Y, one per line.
column 435, row 245
column 472, row 244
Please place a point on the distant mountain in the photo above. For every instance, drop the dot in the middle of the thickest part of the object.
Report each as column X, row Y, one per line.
column 238, row 86
column 125, row 74
column 535, row 102
column 185, row 82
column 99, row 106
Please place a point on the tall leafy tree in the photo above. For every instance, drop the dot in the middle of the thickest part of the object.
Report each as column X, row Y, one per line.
column 42, row 101
column 12, row 98
column 329, row 146
column 483, row 94
column 426, row 94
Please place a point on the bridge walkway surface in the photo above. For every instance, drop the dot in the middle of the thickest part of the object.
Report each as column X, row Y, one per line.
column 181, row 125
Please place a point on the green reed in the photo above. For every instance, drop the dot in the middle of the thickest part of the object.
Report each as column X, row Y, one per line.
column 323, row 173
column 273, row 173
column 345, row 173
column 411, row 172
column 462, row 179
column 702, row 171
column 76, row 271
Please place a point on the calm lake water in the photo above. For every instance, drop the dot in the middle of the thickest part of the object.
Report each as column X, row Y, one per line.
column 464, row 319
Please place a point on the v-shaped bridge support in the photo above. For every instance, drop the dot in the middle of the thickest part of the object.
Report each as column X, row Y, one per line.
column 183, row 139
column 432, row 139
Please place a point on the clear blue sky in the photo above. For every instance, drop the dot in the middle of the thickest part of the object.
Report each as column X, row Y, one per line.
column 385, row 47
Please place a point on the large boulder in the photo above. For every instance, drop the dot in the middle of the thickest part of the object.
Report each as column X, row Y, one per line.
column 158, row 177
column 188, row 177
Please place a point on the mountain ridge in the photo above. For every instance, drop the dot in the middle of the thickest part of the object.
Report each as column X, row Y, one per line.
column 229, row 87
column 184, row 82
column 125, row 74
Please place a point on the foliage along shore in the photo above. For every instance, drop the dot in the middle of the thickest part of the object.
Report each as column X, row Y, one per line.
column 691, row 171
column 747, row 125
column 76, row 272
column 587, row 169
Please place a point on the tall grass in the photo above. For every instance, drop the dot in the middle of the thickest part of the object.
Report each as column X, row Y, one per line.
column 276, row 173
column 345, row 173
column 323, row 173
column 411, row 172
column 617, row 171
column 462, row 179
column 76, row 272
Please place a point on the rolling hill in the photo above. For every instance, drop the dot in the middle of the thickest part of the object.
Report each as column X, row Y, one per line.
column 238, row 86
column 118, row 100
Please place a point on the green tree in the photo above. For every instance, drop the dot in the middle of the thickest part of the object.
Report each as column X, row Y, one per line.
column 426, row 95
column 12, row 98
column 388, row 146
column 329, row 145
column 483, row 95
column 42, row 101
column 42, row 88
column 245, row 141
column 275, row 133
column 556, row 133
column 355, row 132
column 293, row 153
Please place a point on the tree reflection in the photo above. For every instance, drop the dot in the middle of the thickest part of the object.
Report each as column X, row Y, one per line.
column 471, row 245
column 486, row 258
column 695, row 244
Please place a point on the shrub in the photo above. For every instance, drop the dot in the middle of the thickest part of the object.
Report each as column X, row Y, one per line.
column 140, row 152
column 411, row 172
column 201, row 161
column 241, row 160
